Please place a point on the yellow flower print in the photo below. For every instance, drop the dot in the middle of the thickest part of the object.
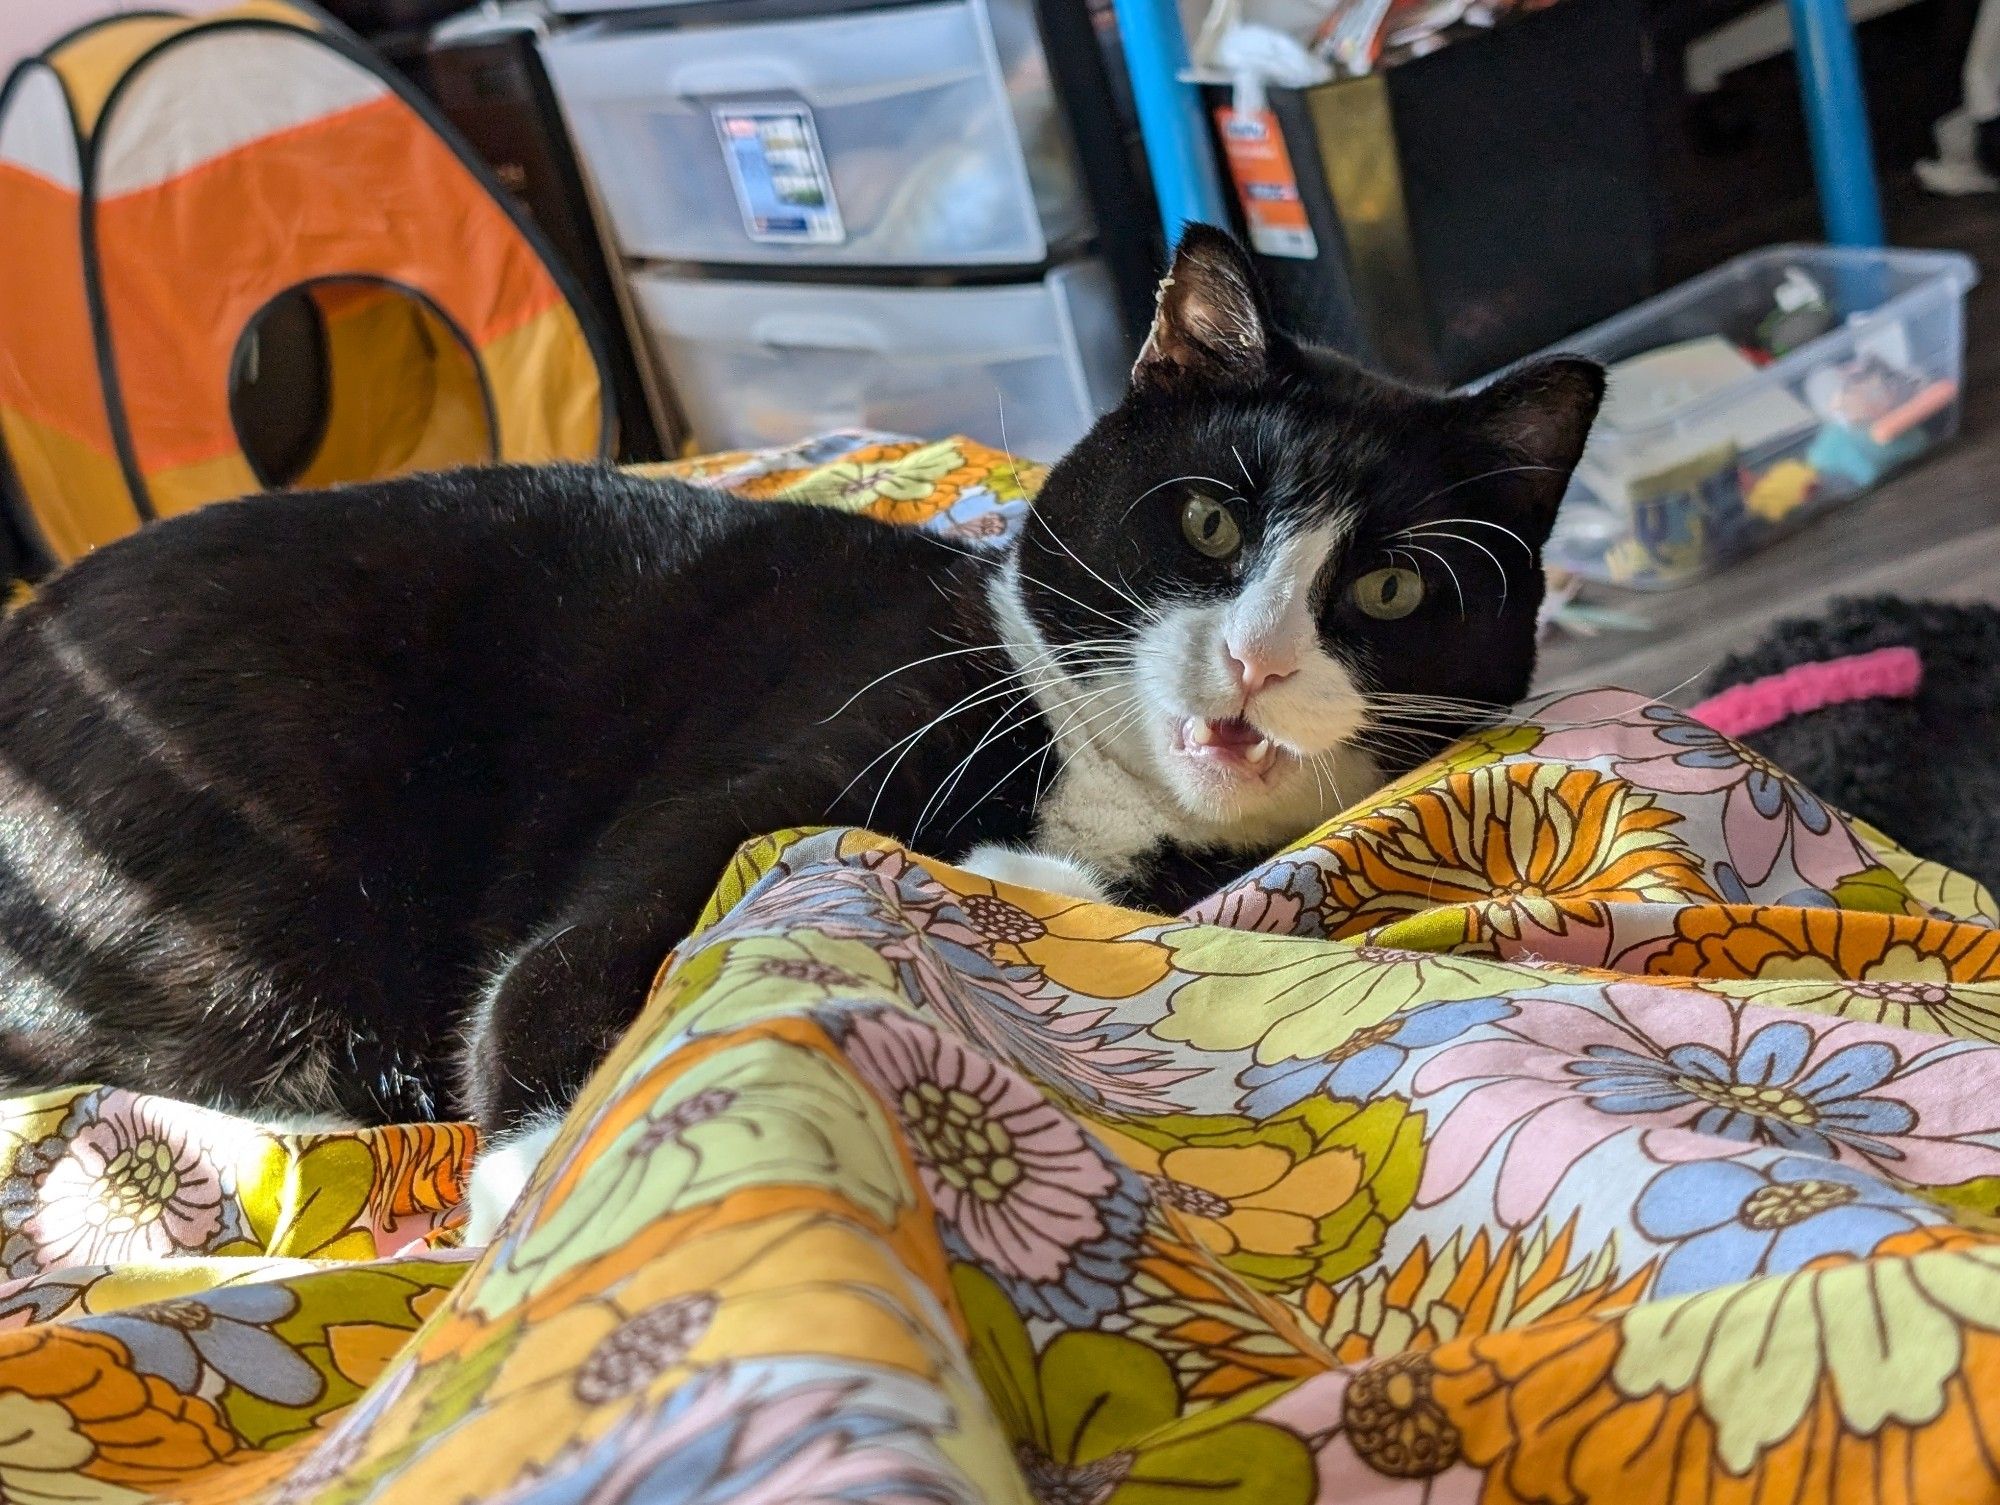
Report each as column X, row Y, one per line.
column 1083, row 947
column 1933, row 887
column 1307, row 1192
column 1258, row 1199
column 77, row 1422
column 894, row 482
column 361, row 1351
column 1222, row 1335
column 793, row 1284
column 41, row 1451
column 750, row 862
column 727, row 984
column 1919, row 974
column 1825, row 1387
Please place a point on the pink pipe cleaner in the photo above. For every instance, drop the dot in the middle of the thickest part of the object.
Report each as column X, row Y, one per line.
column 1743, row 710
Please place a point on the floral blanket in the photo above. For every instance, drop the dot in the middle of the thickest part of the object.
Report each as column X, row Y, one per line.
column 1594, row 1115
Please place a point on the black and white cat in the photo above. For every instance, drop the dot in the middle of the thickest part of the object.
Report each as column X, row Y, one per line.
column 388, row 801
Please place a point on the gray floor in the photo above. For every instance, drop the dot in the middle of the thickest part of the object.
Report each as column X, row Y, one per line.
column 1932, row 532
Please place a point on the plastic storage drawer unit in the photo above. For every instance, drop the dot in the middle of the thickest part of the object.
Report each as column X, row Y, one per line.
column 921, row 135
column 1685, row 471
column 1022, row 366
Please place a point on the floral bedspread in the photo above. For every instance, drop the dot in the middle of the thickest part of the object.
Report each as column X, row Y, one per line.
column 1593, row 1115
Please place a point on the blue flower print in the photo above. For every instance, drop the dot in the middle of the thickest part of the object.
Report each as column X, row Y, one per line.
column 1362, row 1065
column 227, row 1330
column 1766, row 1093
column 1770, row 791
column 1728, row 1220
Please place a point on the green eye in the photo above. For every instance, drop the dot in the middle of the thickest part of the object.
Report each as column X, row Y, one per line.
column 1389, row 594
column 1210, row 527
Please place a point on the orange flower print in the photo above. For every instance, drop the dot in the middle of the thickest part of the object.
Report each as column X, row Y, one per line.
column 71, row 1405
column 1468, row 1285
column 420, row 1172
column 1080, row 946
column 1520, row 845
column 1771, row 1390
column 1920, row 974
column 1828, row 945
column 1222, row 1337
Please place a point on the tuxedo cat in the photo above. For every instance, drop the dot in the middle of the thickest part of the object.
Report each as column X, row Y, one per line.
column 386, row 802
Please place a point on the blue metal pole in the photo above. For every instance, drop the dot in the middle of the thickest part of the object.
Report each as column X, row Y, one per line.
column 1170, row 119
column 1837, row 120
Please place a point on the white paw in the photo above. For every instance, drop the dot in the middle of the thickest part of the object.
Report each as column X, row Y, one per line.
column 501, row 1173
column 1046, row 872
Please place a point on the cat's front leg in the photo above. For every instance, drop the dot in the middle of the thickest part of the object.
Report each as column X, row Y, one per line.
column 1047, row 872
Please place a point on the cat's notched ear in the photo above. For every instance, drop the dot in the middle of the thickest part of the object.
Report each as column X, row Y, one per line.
column 1211, row 323
column 1538, row 417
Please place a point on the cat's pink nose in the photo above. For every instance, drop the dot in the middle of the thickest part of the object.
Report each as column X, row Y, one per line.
column 1256, row 666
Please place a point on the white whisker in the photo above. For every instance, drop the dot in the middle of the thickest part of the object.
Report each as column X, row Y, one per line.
column 1504, row 470
column 1001, row 725
column 1455, row 584
column 1041, row 752
column 1498, row 567
column 1477, row 522
column 1170, row 481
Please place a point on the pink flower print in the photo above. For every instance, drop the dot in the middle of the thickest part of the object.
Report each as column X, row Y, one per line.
column 125, row 1178
column 1698, row 1078
column 1251, row 906
column 1764, row 811
column 1013, row 1178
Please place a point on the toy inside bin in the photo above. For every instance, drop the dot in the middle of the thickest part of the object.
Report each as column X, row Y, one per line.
column 1756, row 396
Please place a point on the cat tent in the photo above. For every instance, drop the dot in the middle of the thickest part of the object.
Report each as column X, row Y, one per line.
column 240, row 254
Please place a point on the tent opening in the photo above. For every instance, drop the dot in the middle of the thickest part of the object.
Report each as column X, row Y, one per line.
column 351, row 378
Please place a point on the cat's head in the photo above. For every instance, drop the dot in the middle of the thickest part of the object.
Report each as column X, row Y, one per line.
column 1267, row 559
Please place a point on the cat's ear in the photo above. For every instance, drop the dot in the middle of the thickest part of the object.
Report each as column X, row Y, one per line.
column 1211, row 324
column 1535, row 420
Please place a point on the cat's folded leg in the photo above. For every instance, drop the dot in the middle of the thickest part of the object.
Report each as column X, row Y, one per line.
column 557, row 1007
column 1048, row 872
column 559, row 1004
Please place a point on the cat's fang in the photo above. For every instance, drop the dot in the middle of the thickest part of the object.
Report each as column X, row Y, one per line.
column 1258, row 753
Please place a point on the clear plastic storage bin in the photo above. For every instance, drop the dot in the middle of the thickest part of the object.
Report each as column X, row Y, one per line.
column 1688, row 474
column 1028, row 366
column 915, row 136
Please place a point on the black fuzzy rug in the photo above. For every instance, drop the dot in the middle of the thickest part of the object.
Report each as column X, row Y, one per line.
column 1925, row 771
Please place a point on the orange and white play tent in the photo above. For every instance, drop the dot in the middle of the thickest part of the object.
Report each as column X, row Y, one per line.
column 238, row 253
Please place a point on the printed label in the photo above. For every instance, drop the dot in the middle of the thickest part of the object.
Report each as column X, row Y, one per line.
column 782, row 184
column 1266, row 186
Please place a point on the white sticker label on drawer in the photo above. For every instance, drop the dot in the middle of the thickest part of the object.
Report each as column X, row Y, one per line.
column 782, row 184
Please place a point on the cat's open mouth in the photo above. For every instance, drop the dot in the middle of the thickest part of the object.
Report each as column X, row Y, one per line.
column 1234, row 745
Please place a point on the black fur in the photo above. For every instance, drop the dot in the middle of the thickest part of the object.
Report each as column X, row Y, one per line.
column 288, row 782
column 289, row 786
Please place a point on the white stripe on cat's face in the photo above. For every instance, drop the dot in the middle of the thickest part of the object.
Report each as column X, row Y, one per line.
column 1242, row 698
